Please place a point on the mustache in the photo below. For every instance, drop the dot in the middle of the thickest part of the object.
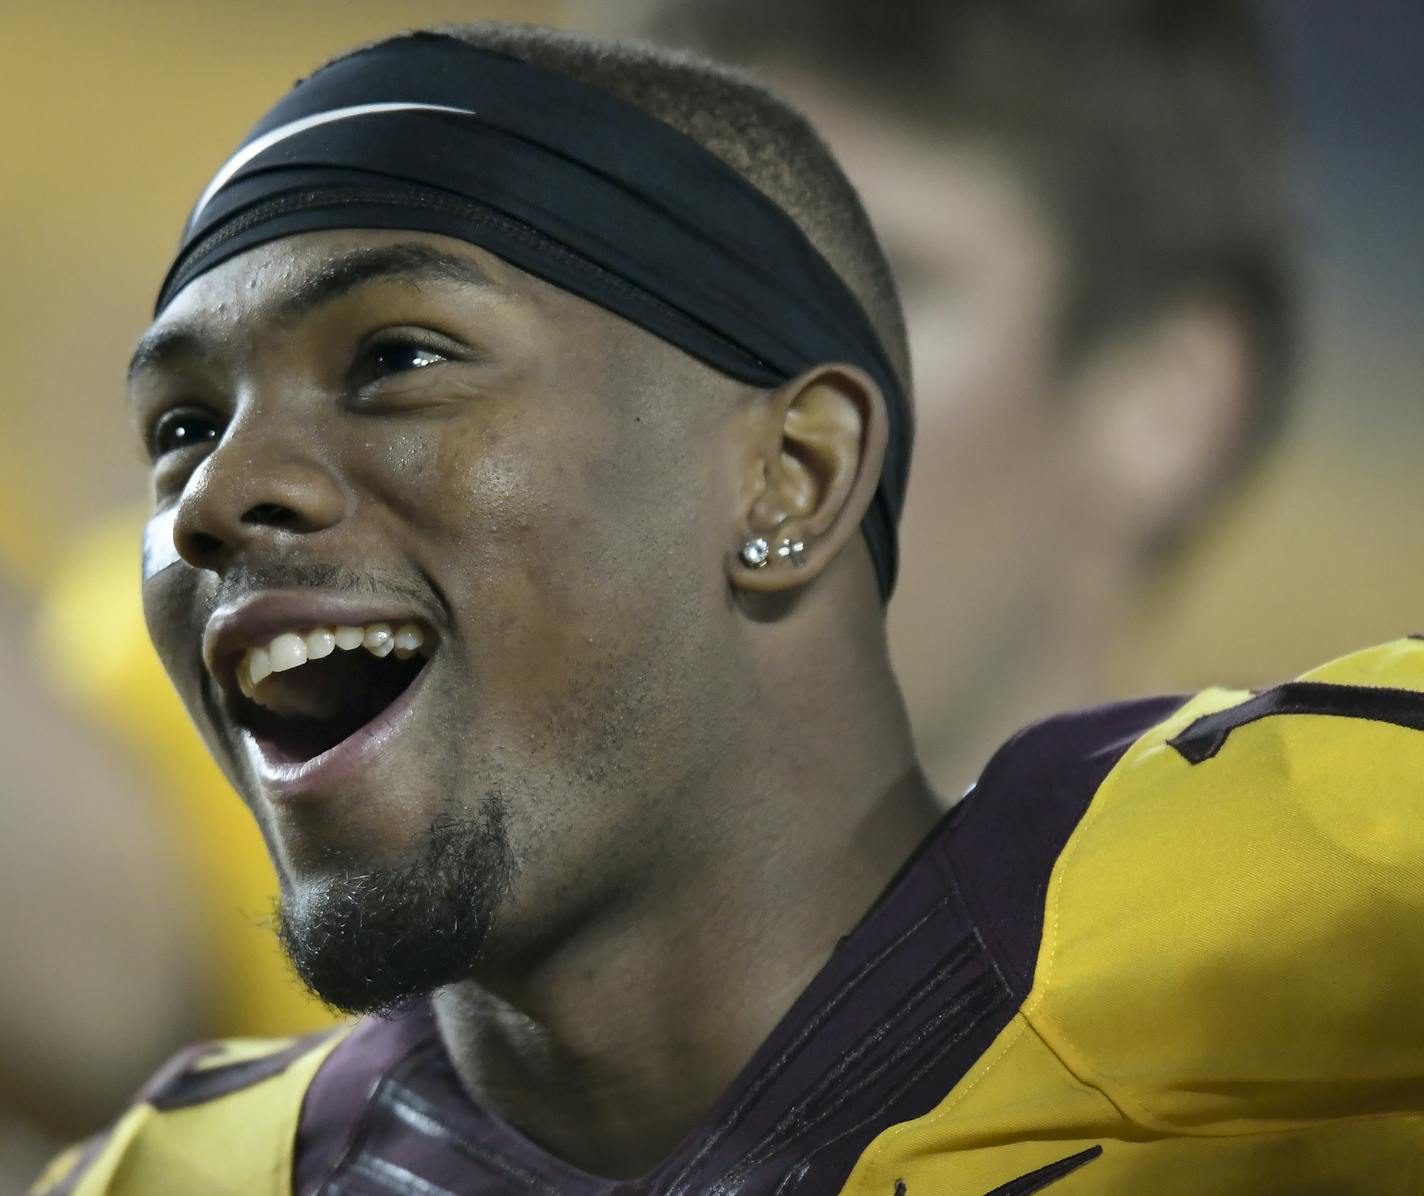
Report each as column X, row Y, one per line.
column 245, row 581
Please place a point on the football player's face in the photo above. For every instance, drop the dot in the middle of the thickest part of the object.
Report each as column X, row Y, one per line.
column 429, row 532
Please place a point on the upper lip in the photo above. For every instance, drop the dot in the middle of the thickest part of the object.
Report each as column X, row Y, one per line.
column 253, row 622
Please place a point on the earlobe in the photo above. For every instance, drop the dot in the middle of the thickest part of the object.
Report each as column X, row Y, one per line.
column 757, row 553
column 822, row 452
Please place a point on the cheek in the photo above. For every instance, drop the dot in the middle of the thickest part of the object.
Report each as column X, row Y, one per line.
column 171, row 602
column 984, row 407
column 980, row 357
column 986, row 510
column 170, row 599
column 526, row 529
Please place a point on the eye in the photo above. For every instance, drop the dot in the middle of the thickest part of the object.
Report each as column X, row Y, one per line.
column 180, row 429
column 383, row 364
column 401, row 358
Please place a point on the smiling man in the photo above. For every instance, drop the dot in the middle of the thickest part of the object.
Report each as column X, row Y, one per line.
column 529, row 421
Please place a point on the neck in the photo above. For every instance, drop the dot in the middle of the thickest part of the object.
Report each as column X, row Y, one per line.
column 959, row 735
column 1049, row 652
column 610, row 1048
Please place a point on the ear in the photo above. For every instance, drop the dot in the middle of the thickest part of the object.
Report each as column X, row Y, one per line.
column 815, row 459
column 1160, row 413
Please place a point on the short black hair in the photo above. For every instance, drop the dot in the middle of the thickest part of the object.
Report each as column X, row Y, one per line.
column 753, row 130
column 1149, row 129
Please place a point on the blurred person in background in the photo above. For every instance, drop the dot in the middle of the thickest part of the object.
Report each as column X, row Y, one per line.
column 120, row 684
column 138, row 891
column 1085, row 207
column 98, row 977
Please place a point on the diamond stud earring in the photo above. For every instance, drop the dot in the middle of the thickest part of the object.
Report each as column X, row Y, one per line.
column 755, row 553
column 793, row 551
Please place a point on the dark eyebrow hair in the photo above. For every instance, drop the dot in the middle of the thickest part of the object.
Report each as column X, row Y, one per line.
column 162, row 346
column 408, row 262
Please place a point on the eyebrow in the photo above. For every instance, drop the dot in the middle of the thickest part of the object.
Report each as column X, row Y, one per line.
column 163, row 347
column 410, row 263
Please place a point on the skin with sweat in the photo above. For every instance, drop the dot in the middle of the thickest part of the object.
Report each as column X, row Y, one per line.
column 683, row 750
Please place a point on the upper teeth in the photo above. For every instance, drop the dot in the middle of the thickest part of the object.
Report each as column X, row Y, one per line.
column 293, row 648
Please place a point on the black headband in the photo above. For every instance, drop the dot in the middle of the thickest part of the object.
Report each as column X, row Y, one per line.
column 568, row 182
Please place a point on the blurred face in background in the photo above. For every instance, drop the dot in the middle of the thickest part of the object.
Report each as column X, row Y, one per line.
column 988, row 537
column 1039, row 479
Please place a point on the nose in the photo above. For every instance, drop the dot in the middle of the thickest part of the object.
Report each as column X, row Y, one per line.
column 253, row 492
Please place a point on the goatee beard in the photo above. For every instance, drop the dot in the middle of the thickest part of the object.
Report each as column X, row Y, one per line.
column 375, row 942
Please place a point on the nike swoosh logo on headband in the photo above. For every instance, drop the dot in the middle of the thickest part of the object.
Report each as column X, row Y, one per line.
column 1036, row 1181
column 258, row 144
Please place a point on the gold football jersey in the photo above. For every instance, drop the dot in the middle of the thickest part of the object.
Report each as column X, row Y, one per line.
column 1165, row 948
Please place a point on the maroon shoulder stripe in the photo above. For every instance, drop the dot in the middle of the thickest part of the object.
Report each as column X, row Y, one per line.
column 182, row 1087
column 1208, row 734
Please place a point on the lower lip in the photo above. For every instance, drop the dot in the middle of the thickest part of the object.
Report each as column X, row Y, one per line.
column 339, row 764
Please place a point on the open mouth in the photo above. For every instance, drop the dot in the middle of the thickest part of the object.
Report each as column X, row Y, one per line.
column 307, row 691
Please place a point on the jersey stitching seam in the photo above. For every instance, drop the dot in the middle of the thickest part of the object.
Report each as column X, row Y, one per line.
column 984, row 931
column 882, row 1144
column 1072, row 1071
column 356, row 1137
column 801, row 1168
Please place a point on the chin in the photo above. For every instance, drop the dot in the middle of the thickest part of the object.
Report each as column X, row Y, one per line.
column 366, row 938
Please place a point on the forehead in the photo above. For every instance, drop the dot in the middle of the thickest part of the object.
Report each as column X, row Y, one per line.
column 290, row 276
column 285, row 284
column 411, row 277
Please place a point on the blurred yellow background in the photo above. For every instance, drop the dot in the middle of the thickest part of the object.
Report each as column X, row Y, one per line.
column 116, row 114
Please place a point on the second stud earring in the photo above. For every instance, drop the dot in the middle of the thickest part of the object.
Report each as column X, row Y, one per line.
column 792, row 551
